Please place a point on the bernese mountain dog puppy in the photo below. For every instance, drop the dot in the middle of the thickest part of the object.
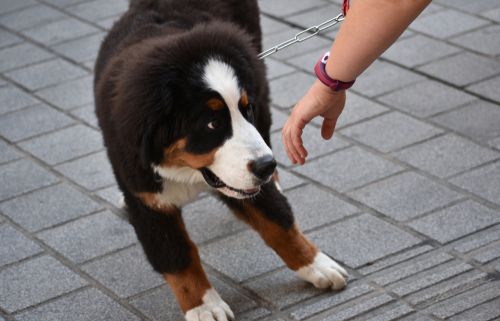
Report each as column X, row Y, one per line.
column 182, row 101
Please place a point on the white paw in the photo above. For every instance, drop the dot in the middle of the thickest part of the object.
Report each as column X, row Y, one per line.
column 212, row 309
column 324, row 273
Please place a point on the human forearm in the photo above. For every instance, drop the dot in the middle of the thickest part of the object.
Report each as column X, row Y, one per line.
column 370, row 27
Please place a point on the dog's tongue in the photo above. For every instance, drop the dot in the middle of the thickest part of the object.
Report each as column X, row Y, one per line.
column 250, row 191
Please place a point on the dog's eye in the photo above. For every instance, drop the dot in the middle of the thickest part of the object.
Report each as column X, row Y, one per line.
column 214, row 124
column 249, row 110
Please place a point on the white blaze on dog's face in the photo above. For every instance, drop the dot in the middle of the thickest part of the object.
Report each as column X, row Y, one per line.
column 232, row 161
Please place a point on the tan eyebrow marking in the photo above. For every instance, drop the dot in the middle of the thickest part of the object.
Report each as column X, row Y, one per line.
column 244, row 99
column 215, row 104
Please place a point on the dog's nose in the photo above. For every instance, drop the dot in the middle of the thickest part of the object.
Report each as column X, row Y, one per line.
column 263, row 167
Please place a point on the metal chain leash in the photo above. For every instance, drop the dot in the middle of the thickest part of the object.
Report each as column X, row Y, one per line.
column 317, row 29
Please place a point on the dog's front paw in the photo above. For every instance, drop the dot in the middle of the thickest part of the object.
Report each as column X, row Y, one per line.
column 212, row 309
column 324, row 273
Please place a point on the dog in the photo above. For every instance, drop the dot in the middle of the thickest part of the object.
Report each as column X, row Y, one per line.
column 183, row 104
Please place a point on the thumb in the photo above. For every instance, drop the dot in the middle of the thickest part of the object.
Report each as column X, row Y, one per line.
column 328, row 128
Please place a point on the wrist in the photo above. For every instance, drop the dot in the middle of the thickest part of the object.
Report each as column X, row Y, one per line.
column 333, row 84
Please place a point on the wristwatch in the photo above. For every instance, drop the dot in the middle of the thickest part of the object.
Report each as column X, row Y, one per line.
column 335, row 85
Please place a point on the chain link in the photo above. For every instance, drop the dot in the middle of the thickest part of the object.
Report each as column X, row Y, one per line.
column 315, row 30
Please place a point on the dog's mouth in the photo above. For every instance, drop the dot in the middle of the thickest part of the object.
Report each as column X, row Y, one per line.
column 216, row 182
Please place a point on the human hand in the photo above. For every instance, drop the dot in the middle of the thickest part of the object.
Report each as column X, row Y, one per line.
column 319, row 101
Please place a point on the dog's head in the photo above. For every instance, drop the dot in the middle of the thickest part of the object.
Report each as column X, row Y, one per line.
column 186, row 104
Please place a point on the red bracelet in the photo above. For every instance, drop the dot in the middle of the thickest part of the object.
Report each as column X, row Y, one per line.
column 335, row 85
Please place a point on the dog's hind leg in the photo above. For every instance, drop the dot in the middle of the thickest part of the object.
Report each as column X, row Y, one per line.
column 170, row 251
column 271, row 216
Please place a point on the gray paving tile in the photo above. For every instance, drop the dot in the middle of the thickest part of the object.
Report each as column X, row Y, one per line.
column 21, row 55
column 107, row 23
column 362, row 307
column 408, row 254
column 159, row 306
column 445, row 156
column 447, row 23
column 357, row 108
column 445, row 289
column 59, row 31
column 465, row 300
column 462, row 69
column 456, row 221
column 487, row 255
column 390, row 312
column 31, row 122
column 417, row 50
column 405, row 196
column 241, row 256
column 360, row 240
column 315, row 17
column 87, row 114
column 153, row 305
column 126, row 273
column 351, row 291
column 483, row 312
column 313, row 143
column 46, row 74
column 288, row 90
column 70, row 94
column 484, row 40
column 23, row 176
column 7, row 154
column 12, row 99
column 88, row 305
column 272, row 40
column 415, row 317
column 65, row 144
column 90, row 237
column 468, row 6
column 209, row 218
column 113, row 195
column 254, row 315
column 495, row 143
column 48, row 207
column 63, row 3
column 495, row 265
column 94, row 10
column 14, row 246
column 408, row 268
column 11, row 5
column 30, row 17
column 313, row 207
column 348, row 169
column 277, row 69
column 283, row 288
column 92, row 172
column 279, row 119
column 370, row 84
column 36, row 281
column 477, row 240
column 493, row 14
column 82, row 49
column 288, row 180
column 478, row 121
column 391, row 131
column 426, row 98
column 484, row 181
column 281, row 8
column 487, row 88
column 270, row 25
column 7, row 38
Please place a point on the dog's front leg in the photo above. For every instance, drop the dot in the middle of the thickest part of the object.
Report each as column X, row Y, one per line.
column 170, row 251
column 271, row 216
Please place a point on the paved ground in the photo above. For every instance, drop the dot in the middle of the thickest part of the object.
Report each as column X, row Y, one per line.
column 406, row 195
